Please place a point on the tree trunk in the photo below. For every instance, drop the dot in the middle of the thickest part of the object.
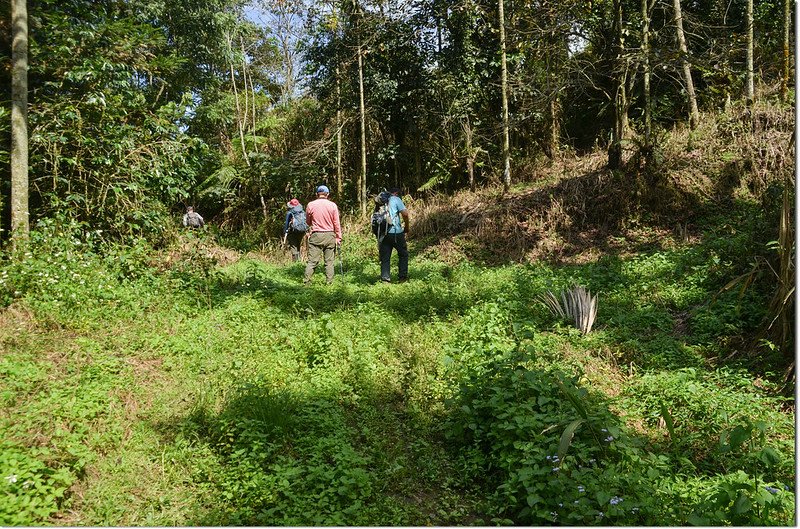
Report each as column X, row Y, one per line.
column 339, row 183
column 20, row 225
column 417, row 156
column 239, row 123
column 362, row 181
column 504, row 95
column 620, row 129
column 263, row 206
column 470, row 156
column 556, row 56
column 555, row 137
column 648, row 124
column 694, row 113
column 787, row 28
column 251, row 90
column 750, row 89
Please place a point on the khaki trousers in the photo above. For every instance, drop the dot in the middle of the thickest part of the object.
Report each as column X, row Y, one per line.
column 321, row 244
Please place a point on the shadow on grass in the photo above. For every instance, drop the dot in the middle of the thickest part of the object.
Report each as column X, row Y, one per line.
column 275, row 457
column 278, row 456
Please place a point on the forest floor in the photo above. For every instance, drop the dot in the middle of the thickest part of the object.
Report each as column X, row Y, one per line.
column 197, row 385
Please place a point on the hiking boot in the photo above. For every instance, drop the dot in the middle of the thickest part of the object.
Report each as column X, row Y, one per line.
column 386, row 280
column 402, row 280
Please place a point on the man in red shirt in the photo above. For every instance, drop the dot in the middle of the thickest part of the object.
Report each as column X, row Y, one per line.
column 322, row 217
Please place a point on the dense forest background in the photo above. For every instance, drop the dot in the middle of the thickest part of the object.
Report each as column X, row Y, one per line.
column 138, row 108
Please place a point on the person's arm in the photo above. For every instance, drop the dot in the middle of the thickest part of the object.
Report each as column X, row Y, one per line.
column 185, row 219
column 405, row 215
column 337, row 227
column 309, row 219
column 202, row 222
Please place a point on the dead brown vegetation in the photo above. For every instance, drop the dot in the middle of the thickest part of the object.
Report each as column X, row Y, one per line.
column 575, row 209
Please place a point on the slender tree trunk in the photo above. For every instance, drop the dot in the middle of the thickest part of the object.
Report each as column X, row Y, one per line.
column 20, row 225
column 263, row 206
column 470, row 157
column 239, row 124
column 787, row 28
column 556, row 58
column 694, row 113
column 255, row 117
column 750, row 89
column 362, row 181
column 339, row 183
column 555, row 136
column 246, row 113
column 646, row 89
column 504, row 94
column 417, row 157
column 620, row 129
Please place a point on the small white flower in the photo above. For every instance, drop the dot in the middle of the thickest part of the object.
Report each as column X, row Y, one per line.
column 12, row 478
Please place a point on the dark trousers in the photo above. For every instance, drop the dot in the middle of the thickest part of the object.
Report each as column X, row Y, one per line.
column 396, row 241
column 294, row 239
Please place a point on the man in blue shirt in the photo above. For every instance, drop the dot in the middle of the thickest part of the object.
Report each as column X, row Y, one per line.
column 395, row 239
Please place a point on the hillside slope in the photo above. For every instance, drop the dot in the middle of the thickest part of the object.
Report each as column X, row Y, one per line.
column 574, row 209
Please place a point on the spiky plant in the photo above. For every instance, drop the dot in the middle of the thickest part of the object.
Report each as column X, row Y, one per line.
column 575, row 304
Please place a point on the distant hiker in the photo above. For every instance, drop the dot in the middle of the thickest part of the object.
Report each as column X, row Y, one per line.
column 395, row 238
column 192, row 219
column 295, row 227
column 322, row 216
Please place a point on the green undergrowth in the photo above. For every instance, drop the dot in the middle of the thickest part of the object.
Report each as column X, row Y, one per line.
column 136, row 392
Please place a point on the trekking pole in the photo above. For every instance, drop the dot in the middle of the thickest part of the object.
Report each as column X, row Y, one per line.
column 341, row 260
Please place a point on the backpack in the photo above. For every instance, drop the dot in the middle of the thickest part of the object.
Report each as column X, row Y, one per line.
column 298, row 222
column 381, row 220
column 193, row 220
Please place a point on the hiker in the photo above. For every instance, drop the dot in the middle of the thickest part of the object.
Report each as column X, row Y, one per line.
column 193, row 220
column 294, row 228
column 322, row 217
column 395, row 238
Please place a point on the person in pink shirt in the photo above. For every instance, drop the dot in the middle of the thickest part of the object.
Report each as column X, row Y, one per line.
column 322, row 217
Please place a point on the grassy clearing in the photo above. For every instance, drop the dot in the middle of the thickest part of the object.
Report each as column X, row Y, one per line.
column 136, row 392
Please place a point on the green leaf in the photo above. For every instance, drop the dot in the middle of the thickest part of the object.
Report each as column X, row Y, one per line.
column 668, row 421
column 742, row 504
column 573, row 399
column 739, row 436
column 769, row 456
column 533, row 499
column 566, row 438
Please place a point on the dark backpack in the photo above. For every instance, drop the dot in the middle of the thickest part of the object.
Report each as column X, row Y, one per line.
column 381, row 220
column 298, row 222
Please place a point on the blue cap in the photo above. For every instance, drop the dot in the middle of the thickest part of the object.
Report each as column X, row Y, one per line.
column 323, row 189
